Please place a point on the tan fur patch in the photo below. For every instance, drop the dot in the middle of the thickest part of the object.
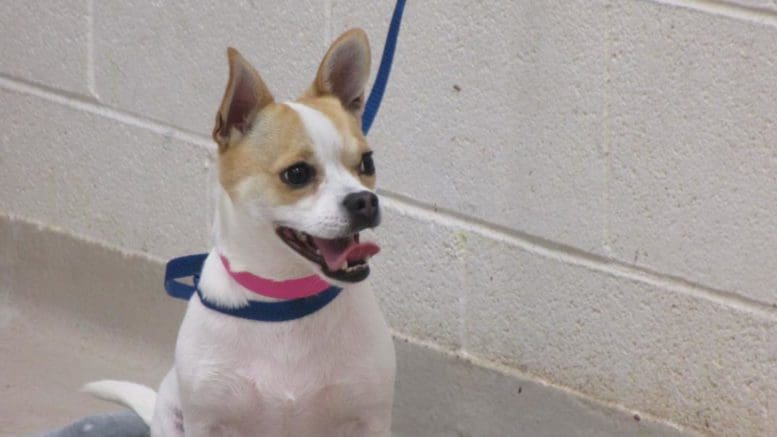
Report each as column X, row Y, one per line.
column 278, row 140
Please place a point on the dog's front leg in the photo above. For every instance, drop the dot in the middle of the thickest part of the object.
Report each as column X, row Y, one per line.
column 199, row 424
column 168, row 420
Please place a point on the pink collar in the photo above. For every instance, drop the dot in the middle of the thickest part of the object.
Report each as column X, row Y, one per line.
column 289, row 289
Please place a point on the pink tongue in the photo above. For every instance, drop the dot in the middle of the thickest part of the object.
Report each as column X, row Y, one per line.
column 337, row 251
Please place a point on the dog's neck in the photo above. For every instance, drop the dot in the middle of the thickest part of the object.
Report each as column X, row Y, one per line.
column 251, row 245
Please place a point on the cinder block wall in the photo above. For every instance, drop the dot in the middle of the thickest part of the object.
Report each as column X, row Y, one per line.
column 581, row 191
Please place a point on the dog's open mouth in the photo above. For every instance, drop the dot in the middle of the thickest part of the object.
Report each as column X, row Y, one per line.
column 344, row 259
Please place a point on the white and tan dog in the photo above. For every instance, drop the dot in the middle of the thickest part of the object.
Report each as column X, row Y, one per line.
column 296, row 187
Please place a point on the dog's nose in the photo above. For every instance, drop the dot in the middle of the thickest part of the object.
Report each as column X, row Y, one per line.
column 363, row 209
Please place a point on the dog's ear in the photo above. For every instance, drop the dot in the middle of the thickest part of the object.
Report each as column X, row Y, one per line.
column 245, row 96
column 345, row 69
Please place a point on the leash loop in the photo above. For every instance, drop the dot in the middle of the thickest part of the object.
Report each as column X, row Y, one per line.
column 189, row 268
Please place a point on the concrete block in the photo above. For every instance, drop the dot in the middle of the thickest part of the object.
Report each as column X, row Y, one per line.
column 692, row 116
column 495, row 112
column 644, row 346
column 418, row 277
column 167, row 61
column 102, row 179
column 46, row 43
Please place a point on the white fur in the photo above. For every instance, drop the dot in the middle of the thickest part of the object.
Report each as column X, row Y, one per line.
column 318, row 375
column 322, row 214
column 328, row 374
column 138, row 397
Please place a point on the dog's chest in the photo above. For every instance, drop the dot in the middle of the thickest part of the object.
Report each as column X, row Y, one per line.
column 323, row 372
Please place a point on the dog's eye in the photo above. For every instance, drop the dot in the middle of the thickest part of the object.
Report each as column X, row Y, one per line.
column 367, row 166
column 298, row 174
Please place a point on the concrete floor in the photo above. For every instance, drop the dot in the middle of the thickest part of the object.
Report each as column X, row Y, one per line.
column 72, row 311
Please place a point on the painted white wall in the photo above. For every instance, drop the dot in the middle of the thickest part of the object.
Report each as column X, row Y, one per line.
column 583, row 191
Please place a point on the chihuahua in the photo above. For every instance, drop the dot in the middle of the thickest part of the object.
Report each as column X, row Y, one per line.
column 296, row 187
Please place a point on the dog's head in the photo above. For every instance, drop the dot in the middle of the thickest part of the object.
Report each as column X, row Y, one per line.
column 304, row 166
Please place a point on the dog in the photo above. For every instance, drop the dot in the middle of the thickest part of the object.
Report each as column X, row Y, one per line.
column 296, row 186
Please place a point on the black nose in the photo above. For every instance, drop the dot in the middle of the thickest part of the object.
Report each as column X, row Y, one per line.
column 363, row 209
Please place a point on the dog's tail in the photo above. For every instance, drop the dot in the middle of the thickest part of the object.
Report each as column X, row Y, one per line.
column 135, row 396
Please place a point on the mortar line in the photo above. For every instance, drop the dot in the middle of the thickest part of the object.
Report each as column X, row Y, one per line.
column 462, row 295
column 725, row 9
column 91, row 81
column 530, row 243
column 573, row 256
column 91, row 106
column 606, row 136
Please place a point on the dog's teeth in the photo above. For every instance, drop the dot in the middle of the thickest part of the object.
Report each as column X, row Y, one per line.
column 300, row 236
column 354, row 267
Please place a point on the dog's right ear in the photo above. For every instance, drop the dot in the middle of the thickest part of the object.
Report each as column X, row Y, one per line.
column 245, row 96
column 344, row 71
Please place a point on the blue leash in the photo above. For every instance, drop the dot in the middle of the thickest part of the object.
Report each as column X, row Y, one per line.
column 376, row 95
column 189, row 267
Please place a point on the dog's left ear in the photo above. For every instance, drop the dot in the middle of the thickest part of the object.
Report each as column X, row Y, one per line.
column 345, row 69
column 245, row 96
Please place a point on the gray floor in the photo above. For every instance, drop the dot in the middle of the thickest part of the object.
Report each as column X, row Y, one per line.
column 72, row 312
column 120, row 424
